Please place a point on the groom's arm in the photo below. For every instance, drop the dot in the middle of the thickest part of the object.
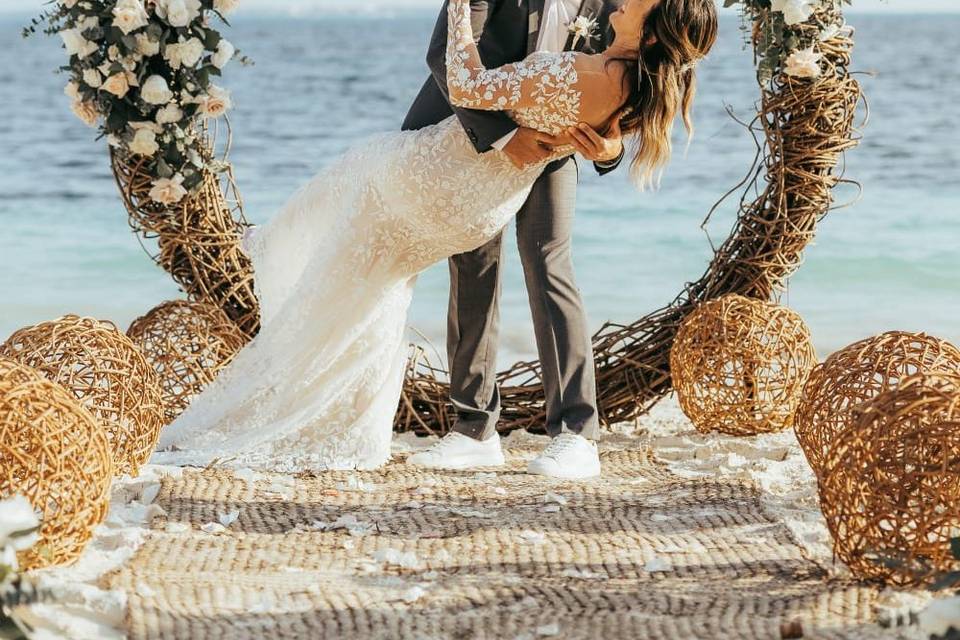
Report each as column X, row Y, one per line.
column 484, row 128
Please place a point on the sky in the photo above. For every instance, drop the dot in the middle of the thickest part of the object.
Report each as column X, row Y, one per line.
column 301, row 7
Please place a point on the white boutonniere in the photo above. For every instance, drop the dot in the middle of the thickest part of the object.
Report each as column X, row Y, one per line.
column 583, row 28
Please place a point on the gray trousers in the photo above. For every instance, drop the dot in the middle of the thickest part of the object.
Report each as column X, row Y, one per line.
column 544, row 228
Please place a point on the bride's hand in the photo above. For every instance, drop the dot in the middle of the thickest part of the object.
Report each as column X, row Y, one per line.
column 528, row 146
column 595, row 147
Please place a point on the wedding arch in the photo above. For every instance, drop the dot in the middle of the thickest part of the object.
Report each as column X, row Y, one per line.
column 177, row 184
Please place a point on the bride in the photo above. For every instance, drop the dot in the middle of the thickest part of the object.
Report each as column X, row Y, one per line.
column 319, row 386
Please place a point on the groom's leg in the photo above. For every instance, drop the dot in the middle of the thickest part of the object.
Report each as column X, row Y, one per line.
column 544, row 228
column 473, row 329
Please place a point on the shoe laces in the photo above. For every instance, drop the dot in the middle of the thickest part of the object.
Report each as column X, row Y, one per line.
column 560, row 445
column 446, row 441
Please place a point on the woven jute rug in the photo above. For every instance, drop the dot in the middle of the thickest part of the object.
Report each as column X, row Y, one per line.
column 403, row 553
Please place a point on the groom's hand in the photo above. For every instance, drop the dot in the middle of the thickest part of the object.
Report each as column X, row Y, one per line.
column 528, row 146
column 595, row 147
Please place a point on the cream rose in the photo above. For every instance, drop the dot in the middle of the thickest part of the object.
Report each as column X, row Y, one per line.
column 178, row 13
column 145, row 46
column 225, row 6
column 223, row 55
column 129, row 15
column 76, row 44
column 804, row 63
column 215, row 103
column 117, row 84
column 86, row 111
column 144, row 143
column 155, row 90
column 185, row 53
column 92, row 78
column 168, row 190
column 794, row 11
column 169, row 114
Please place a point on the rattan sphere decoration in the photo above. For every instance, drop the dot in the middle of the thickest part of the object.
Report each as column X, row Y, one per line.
column 890, row 490
column 858, row 373
column 106, row 372
column 187, row 343
column 739, row 365
column 54, row 453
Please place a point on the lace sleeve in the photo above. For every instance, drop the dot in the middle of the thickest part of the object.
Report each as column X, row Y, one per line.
column 537, row 80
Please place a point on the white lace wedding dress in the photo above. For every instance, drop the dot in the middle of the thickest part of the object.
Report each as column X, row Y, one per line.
column 319, row 386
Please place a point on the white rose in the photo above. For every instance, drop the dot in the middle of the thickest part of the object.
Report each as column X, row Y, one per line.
column 225, row 6
column 178, row 13
column 92, row 78
column 113, row 52
column 155, row 90
column 105, row 68
column 17, row 516
column 87, row 22
column 117, row 84
column 224, row 54
column 215, row 103
column 145, row 46
column 169, row 114
column 168, row 190
column 72, row 90
column 150, row 125
column 86, row 111
column 129, row 15
column 804, row 63
column 76, row 44
column 69, row 4
column 144, row 143
column 794, row 11
column 184, row 53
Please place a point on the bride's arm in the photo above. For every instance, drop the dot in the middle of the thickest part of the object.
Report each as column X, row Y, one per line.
column 511, row 86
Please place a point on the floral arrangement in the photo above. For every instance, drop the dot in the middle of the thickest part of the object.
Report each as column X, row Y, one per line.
column 583, row 28
column 789, row 32
column 142, row 72
column 18, row 531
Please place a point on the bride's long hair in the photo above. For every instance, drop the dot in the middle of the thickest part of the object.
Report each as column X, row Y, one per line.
column 663, row 80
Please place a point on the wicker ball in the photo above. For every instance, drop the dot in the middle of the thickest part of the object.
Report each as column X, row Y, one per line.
column 187, row 343
column 858, row 373
column 54, row 453
column 106, row 372
column 739, row 365
column 890, row 490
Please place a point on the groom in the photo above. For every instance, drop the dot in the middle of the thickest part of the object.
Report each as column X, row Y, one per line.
column 507, row 31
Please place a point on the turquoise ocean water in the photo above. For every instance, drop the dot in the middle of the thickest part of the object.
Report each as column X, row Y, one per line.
column 890, row 260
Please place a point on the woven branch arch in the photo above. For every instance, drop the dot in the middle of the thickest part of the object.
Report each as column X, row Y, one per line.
column 807, row 124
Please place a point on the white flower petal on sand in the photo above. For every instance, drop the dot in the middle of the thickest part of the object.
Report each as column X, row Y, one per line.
column 17, row 516
column 155, row 90
column 129, row 15
column 403, row 559
column 168, row 190
column 804, row 63
column 655, row 564
column 227, row 519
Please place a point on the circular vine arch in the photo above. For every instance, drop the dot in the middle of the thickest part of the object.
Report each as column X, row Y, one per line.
column 806, row 124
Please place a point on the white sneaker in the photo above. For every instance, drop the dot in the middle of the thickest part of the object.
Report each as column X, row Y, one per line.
column 568, row 456
column 457, row 451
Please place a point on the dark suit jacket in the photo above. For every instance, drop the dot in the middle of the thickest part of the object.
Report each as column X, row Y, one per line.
column 501, row 28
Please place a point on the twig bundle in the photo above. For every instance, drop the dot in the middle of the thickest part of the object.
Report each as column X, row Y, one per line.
column 856, row 374
column 187, row 343
column 55, row 454
column 890, row 490
column 739, row 365
column 106, row 372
